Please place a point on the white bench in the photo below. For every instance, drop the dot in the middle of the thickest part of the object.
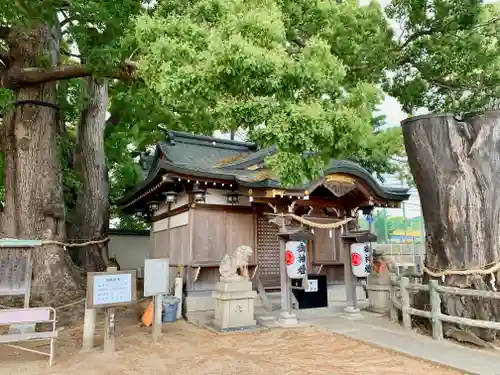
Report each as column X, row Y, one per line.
column 34, row 315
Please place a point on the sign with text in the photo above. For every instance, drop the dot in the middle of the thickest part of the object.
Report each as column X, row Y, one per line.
column 361, row 258
column 312, row 286
column 295, row 259
column 156, row 277
column 108, row 289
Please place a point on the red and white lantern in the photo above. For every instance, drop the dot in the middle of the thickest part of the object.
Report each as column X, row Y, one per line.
column 361, row 258
column 295, row 259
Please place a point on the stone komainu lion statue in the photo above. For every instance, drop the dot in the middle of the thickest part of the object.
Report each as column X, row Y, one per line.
column 239, row 260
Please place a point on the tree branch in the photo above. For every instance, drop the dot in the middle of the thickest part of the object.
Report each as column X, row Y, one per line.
column 67, row 53
column 417, row 35
column 32, row 76
column 443, row 28
column 4, row 56
column 4, row 32
column 67, row 20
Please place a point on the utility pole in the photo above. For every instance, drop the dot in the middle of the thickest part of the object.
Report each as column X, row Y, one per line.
column 404, row 210
column 422, row 227
column 386, row 228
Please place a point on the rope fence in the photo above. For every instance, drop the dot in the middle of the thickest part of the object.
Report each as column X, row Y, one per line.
column 399, row 298
column 486, row 270
column 9, row 243
column 60, row 243
column 76, row 302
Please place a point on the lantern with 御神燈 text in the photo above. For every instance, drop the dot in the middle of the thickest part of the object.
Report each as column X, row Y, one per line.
column 361, row 258
column 295, row 259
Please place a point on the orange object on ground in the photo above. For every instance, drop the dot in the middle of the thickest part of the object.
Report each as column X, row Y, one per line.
column 147, row 317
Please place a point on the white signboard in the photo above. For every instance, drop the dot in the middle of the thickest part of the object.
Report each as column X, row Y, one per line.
column 156, row 277
column 312, row 286
column 112, row 289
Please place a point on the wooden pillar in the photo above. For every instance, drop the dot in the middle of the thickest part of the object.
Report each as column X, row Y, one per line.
column 157, row 310
column 178, row 286
column 349, row 278
column 286, row 290
column 437, row 326
column 29, row 276
column 109, row 325
column 284, row 284
column 287, row 318
column 152, row 252
column 109, row 330
column 404, row 283
column 88, row 328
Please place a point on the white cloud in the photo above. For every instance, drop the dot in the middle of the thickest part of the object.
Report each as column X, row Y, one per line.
column 391, row 108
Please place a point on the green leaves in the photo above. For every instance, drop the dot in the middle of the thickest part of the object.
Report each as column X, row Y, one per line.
column 300, row 74
column 6, row 100
column 448, row 58
column 280, row 69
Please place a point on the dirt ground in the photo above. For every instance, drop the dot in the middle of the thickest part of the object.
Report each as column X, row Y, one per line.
column 188, row 350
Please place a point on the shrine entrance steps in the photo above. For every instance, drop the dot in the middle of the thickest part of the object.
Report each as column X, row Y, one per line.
column 266, row 285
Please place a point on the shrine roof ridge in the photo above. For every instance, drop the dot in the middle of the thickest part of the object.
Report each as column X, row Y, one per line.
column 204, row 157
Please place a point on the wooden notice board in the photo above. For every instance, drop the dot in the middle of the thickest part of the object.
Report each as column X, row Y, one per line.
column 111, row 289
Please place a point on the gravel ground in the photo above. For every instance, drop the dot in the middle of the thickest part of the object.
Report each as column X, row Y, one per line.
column 187, row 350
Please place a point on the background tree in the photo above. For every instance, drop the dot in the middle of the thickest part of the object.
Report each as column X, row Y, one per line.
column 94, row 43
column 33, row 35
column 380, row 225
column 290, row 72
column 448, row 60
column 294, row 73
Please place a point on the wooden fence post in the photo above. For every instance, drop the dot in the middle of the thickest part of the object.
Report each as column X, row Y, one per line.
column 110, row 324
column 404, row 282
column 393, row 311
column 437, row 326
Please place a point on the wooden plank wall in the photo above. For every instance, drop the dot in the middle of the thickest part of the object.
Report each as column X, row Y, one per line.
column 172, row 244
column 217, row 232
column 329, row 252
column 327, row 249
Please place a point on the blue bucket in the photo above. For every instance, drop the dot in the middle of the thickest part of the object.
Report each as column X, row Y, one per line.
column 170, row 306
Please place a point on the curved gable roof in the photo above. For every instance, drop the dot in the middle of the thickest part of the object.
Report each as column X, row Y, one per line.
column 222, row 159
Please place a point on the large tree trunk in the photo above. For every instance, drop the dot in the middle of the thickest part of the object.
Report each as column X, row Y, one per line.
column 34, row 205
column 456, row 167
column 91, row 216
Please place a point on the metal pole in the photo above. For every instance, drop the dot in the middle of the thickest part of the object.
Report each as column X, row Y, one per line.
column 371, row 247
column 422, row 228
column 403, row 244
column 386, row 228
column 349, row 278
column 404, row 221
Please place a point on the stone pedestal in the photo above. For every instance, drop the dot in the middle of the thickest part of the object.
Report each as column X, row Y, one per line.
column 234, row 304
column 351, row 310
column 287, row 320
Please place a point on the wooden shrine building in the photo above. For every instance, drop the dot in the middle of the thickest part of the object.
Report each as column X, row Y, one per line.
column 205, row 196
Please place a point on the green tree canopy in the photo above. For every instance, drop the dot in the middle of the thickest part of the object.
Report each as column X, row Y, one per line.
column 300, row 75
column 447, row 58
